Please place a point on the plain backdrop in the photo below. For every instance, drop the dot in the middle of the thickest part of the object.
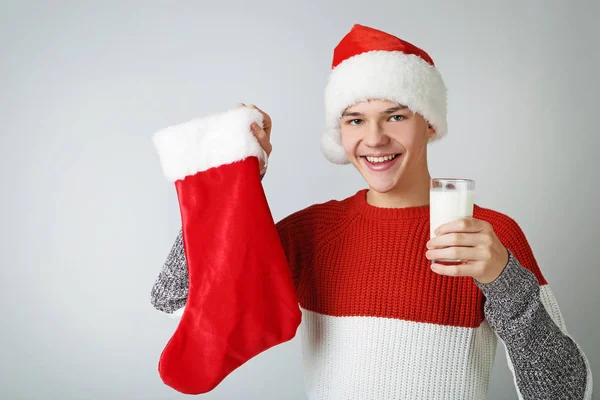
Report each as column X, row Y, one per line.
column 88, row 218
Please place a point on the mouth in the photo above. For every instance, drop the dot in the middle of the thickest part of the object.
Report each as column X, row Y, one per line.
column 381, row 162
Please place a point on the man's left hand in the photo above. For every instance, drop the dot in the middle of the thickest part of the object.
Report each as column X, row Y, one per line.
column 473, row 241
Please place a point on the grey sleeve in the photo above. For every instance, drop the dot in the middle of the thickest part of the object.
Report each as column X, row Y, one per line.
column 546, row 362
column 170, row 289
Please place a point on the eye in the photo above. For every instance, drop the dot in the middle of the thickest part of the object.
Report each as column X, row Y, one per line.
column 354, row 121
column 397, row 117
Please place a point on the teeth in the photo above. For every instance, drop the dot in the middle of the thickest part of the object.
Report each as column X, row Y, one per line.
column 380, row 159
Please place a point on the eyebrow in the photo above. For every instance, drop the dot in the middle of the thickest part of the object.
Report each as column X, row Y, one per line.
column 388, row 111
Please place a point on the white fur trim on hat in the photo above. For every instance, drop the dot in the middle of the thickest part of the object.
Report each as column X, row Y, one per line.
column 208, row 142
column 385, row 75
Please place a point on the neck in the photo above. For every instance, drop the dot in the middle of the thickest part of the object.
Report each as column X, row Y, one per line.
column 408, row 193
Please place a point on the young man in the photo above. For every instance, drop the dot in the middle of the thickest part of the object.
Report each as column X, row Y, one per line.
column 379, row 321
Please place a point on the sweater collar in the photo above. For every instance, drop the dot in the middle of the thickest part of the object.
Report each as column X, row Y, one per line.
column 384, row 213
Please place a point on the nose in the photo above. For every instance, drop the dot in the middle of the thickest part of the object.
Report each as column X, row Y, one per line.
column 375, row 136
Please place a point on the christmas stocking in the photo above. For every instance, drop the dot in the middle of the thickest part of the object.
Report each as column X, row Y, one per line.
column 241, row 299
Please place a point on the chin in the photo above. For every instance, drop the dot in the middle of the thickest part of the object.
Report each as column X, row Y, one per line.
column 381, row 186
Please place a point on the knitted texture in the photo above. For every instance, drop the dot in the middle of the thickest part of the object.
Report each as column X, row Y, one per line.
column 170, row 290
column 517, row 315
column 352, row 259
column 379, row 324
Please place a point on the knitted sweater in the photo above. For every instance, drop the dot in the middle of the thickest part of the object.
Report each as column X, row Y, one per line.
column 379, row 324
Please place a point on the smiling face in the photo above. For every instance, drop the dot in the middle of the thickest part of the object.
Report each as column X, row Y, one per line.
column 386, row 143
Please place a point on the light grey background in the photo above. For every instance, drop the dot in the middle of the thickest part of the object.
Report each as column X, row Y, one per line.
column 88, row 218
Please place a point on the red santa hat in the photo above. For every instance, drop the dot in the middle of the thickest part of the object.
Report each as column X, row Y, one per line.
column 371, row 64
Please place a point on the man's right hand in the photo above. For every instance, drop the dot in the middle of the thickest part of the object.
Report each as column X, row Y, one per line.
column 262, row 134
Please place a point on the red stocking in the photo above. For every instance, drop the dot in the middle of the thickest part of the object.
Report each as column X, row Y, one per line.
column 241, row 299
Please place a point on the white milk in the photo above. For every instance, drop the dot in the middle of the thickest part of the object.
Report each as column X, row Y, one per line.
column 449, row 205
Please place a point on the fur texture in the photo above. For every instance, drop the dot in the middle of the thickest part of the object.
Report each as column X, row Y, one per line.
column 208, row 142
column 385, row 75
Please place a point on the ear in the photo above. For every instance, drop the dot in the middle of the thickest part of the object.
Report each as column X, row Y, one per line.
column 430, row 131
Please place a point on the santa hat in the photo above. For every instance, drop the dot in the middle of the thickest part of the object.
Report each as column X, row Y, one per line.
column 371, row 64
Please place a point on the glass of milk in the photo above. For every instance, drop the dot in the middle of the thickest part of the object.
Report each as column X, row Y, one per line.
column 449, row 199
